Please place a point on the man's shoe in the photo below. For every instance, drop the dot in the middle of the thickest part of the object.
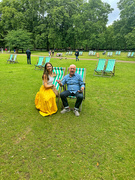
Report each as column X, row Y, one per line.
column 65, row 110
column 76, row 113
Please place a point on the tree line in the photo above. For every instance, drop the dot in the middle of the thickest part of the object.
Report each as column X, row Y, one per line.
column 70, row 24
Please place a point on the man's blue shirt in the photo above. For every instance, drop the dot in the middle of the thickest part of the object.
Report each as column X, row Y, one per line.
column 74, row 83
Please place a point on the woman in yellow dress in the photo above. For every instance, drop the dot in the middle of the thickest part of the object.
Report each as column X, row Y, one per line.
column 45, row 100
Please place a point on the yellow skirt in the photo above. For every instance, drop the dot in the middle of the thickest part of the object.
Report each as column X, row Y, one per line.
column 45, row 101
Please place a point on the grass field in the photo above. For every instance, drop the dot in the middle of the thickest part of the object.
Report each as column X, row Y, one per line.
column 99, row 144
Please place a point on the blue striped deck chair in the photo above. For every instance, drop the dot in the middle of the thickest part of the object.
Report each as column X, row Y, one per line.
column 10, row 58
column 39, row 62
column 82, row 72
column 60, row 73
column 100, row 67
column 110, row 68
column 47, row 59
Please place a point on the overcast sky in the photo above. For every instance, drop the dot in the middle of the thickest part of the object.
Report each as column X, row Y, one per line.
column 115, row 13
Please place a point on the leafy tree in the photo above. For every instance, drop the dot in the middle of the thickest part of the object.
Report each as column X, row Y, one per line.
column 18, row 39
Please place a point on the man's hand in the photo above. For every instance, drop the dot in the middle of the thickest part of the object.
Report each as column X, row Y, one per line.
column 58, row 81
column 81, row 90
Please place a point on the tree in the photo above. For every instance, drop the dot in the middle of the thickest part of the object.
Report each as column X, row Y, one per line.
column 18, row 39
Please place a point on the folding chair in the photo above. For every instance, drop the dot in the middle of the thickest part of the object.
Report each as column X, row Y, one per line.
column 100, row 67
column 110, row 68
column 39, row 62
column 10, row 58
column 47, row 59
column 60, row 73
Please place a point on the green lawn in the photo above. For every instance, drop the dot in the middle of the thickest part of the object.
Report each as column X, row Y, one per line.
column 99, row 144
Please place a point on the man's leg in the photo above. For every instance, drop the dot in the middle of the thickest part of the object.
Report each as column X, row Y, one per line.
column 79, row 97
column 76, row 58
column 64, row 96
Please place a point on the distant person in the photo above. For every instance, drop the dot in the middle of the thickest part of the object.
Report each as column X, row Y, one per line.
column 104, row 52
column 6, row 50
column 77, row 54
column 14, row 51
column 52, row 52
column 28, row 53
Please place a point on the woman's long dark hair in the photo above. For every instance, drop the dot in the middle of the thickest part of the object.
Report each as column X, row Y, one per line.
column 45, row 70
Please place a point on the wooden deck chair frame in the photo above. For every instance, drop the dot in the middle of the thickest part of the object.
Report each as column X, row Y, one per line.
column 110, row 68
column 82, row 72
column 39, row 62
column 60, row 73
column 100, row 67
column 10, row 58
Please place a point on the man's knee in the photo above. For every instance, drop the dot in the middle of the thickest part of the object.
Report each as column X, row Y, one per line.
column 80, row 96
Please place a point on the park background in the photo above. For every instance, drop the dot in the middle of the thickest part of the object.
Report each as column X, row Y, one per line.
column 100, row 143
column 67, row 25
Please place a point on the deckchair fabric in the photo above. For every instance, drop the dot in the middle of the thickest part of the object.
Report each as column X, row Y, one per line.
column 13, row 59
column 109, row 54
column 100, row 67
column 110, row 68
column 82, row 72
column 47, row 59
column 60, row 73
column 39, row 62
column 10, row 58
column 132, row 54
column 129, row 54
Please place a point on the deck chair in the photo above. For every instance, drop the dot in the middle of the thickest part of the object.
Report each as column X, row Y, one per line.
column 119, row 52
column 132, row 54
column 129, row 54
column 39, row 62
column 82, row 72
column 60, row 73
column 14, row 59
column 110, row 68
column 47, row 59
column 10, row 58
column 116, row 52
column 90, row 53
column 100, row 67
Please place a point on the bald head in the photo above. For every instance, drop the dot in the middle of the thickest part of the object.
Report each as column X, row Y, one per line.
column 72, row 69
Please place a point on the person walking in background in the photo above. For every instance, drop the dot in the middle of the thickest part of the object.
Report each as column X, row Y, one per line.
column 50, row 53
column 77, row 54
column 53, row 52
column 28, row 53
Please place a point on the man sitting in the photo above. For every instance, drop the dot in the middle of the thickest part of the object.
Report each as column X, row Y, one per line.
column 75, row 87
